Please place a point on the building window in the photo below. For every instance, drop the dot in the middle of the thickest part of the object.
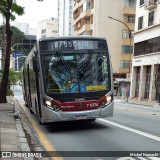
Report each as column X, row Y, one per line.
column 53, row 31
column 126, row 33
column 125, row 64
column 150, row 18
column 87, row 20
column 81, row 9
column 147, row 47
column 137, row 82
column 127, row 49
column 88, row 5
column 147, row 84
column 140, row 22
column 43, row 31
column 132, row 3
column 141, row 2
column 130, row 19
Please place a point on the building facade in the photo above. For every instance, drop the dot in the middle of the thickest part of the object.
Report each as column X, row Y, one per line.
column 65, row 17
column 91, row 18
column 23, row 27
column 47, row 28
column 146, row 50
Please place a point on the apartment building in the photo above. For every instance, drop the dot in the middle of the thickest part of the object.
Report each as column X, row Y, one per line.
column 146, row 50
column 65, row 17
column 47, row 28
column 91, row 18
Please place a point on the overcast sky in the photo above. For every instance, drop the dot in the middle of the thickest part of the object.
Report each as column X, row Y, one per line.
column 36, row 11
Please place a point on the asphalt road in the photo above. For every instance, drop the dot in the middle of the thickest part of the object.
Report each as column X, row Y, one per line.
column 133, row 128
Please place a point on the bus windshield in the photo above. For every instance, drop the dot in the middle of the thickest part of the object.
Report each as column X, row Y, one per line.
column 76, row 72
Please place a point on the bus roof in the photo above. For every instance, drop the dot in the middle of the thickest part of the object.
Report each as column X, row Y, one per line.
column 72, row 37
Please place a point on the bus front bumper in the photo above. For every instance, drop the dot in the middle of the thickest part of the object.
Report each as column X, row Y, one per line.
column 49, row 115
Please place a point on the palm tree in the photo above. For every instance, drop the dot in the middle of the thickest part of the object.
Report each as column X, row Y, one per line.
column 8, row 9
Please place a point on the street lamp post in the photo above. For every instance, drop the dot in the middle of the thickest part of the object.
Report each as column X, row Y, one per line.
column 17, row 61
column 130, row 37
column 129, row 50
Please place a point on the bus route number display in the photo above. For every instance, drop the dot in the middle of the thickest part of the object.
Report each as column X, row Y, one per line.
column 76, row 44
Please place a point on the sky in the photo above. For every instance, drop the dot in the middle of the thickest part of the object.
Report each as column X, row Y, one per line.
column 36, row 11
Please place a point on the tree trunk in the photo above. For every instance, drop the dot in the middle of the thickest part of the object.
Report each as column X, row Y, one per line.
column 157, row 83
column 4, row 82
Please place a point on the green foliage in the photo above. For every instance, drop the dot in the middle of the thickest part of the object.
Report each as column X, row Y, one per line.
column 14, row 76
column 17, row 35
column 15, row 9
column 10, row 92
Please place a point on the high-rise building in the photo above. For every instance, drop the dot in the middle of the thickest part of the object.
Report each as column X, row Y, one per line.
column 65, row 17
column 91, row 18
column 47, row 28
column 146, row 58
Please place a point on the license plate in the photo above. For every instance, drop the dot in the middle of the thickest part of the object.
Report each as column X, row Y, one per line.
column 80, row 117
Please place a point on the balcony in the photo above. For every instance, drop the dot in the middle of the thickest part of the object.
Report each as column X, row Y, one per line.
column 150, row 4
column 124, row 70
column 85, row 27
column 129, row 10
column 86, row 13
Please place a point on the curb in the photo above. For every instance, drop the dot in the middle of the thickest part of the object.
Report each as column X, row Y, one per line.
column 23, row 141
column 134, row 104
column 21, row 135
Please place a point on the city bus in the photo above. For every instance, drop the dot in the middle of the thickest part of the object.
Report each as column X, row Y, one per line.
column 68, row 78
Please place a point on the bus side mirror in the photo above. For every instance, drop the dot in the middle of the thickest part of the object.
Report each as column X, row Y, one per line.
column 35, row 64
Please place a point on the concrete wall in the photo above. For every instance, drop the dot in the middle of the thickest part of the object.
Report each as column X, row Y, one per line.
column 111, row 29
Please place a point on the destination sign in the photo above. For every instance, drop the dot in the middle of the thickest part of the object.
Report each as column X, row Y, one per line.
column 72, row 45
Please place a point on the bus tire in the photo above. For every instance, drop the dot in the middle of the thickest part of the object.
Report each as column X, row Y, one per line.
column 31, row 111
column 26, row 104
column 40, row 122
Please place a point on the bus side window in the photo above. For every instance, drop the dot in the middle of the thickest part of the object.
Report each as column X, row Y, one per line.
column 35, row 65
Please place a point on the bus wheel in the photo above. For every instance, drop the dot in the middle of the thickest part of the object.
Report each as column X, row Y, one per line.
column 40, row 122
column 31, row 111
column 26, row 104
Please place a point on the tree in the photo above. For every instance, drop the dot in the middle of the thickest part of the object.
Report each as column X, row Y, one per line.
column 14, row 77
column 17, row 37
column 157, row 83
column 8, row 9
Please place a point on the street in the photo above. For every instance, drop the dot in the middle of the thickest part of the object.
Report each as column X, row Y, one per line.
column 133, row 128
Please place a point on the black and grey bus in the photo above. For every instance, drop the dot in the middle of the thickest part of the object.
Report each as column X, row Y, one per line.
column 68, row 78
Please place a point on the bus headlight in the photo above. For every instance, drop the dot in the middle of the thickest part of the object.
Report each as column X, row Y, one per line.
column 107, row 101
column 50, row 105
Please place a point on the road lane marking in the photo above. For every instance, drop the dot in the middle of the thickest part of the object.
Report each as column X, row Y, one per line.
column 131, row 129
column 126, row 158
column 41, row 135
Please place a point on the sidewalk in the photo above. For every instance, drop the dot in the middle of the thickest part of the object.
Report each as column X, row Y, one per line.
column 136, row 101
column 12, row 136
